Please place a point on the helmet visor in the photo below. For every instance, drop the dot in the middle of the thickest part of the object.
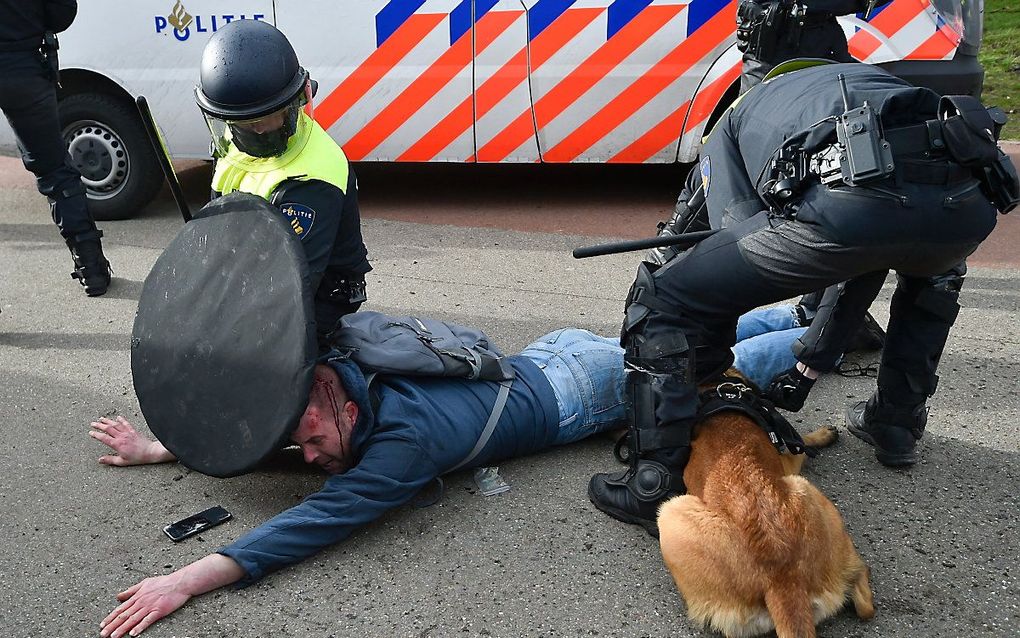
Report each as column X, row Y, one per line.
column 265, row 136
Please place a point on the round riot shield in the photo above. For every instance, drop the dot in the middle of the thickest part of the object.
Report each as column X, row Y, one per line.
column 223, row 348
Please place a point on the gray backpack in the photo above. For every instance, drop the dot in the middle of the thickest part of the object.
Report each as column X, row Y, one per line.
column 413, row 346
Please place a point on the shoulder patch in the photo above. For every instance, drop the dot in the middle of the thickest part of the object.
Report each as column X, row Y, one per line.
column 706, row 173
column 300, row 217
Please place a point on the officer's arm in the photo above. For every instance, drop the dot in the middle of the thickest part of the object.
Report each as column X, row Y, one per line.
column 59, row 14
column 313, row 209
column 730, row 195
column 392, row 470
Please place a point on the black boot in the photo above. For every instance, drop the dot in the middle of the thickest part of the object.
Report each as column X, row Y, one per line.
column 892, row 430
column 789, row 390
column 634, row 495
column 91, row 267
column 870, row 337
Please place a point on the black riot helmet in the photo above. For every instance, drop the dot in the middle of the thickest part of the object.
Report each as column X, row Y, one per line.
column 252, row 88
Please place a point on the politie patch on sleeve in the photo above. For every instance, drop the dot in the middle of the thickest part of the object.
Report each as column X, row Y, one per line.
column 706, row 173
column 300, row 217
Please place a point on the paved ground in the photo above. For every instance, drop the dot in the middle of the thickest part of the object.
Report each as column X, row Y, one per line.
column 539, row 560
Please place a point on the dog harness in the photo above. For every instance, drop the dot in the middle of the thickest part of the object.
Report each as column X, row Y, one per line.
column 733, row 394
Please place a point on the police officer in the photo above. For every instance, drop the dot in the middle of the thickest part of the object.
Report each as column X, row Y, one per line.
column 28, row 97
column 254, row 95
column 773, row 31
column 905, row 203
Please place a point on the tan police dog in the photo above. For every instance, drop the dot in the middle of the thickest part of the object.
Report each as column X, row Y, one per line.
column 753, row 546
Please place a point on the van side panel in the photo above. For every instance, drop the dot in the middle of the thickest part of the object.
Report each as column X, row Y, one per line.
column 389, row 72
column 607, row 73
column 138, row 46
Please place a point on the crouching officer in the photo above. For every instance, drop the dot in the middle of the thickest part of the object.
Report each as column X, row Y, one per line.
column 254, row 95
column 773, row 31
column 28, row 97
column 849, row 185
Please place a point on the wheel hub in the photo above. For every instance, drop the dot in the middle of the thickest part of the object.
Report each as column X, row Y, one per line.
column 99, row 155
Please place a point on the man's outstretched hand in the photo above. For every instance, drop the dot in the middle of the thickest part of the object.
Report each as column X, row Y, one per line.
column 131, row 447
column 159, row 596
column 143, row 604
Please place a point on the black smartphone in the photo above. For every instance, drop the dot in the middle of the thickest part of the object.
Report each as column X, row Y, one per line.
column 196, row 523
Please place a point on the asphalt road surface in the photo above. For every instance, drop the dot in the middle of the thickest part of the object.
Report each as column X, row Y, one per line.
column 485, row 246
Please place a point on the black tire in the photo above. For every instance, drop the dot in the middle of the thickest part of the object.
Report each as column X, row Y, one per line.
column 108, row 145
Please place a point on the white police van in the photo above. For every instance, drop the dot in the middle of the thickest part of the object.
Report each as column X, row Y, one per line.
column 629, row 81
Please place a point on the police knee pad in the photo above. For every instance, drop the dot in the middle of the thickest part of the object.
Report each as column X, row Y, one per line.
column 666, row 354
column 634, row 311
column 938, row 295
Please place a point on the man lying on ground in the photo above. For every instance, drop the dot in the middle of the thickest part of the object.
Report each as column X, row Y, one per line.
column 379, row 458
column 381, row 453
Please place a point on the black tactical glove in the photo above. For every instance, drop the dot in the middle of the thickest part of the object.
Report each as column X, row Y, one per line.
column 789, row 390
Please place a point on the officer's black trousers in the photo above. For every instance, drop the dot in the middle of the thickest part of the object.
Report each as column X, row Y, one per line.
column 860, row 234
column 29, row 100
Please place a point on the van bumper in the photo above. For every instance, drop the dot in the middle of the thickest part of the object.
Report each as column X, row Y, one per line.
column 963, row 75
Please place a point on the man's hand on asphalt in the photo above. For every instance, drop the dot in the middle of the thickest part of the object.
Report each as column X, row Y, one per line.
column 143, row 604
column 131, row 447
column 159, row 596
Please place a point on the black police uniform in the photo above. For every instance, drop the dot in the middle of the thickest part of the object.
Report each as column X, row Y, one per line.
column 768, row 40
column 28, row 98
column 336, row 253
column 681, row 318
column 250, row 71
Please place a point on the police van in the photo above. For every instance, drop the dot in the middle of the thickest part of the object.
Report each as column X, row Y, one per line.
column 630, row 81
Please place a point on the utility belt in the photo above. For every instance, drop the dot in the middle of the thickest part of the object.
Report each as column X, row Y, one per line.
column 340, row 287
column 957, row 146
column 764, row 27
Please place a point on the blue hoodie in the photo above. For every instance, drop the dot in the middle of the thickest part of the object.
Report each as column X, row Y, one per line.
column 423, row 428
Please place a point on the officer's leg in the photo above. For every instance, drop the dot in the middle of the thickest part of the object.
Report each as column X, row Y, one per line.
column 840, row 316
column 807, row 307
column 659, row 368
column 752, row 72
column 37, row 129
column 922, row 312
column 680, row 325
column 869, row 336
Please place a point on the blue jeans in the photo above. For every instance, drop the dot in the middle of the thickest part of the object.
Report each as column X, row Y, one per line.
column 586, row 374
column 765, row 338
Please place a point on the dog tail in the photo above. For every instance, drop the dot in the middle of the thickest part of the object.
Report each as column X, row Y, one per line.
column 791, row 610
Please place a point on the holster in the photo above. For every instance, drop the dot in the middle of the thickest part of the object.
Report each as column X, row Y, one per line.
column 999, row 183
column 51, row 62
column 968, row 130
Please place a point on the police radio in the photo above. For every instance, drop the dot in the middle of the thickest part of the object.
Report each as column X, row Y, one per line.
column 864, row 156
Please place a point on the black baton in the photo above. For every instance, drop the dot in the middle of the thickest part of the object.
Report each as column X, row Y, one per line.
column 642, row 244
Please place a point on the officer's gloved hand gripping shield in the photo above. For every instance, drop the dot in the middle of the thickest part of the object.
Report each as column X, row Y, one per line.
column 223, row 348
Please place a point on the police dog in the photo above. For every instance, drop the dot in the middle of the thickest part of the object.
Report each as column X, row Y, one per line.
column 753, row 546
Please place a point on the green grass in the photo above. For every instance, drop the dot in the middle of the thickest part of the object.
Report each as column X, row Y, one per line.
column 1000, row 55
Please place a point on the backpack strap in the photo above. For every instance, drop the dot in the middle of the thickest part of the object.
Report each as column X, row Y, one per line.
column 490, row 425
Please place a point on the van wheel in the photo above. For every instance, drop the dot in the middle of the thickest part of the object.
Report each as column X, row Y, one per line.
column 108, row 145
